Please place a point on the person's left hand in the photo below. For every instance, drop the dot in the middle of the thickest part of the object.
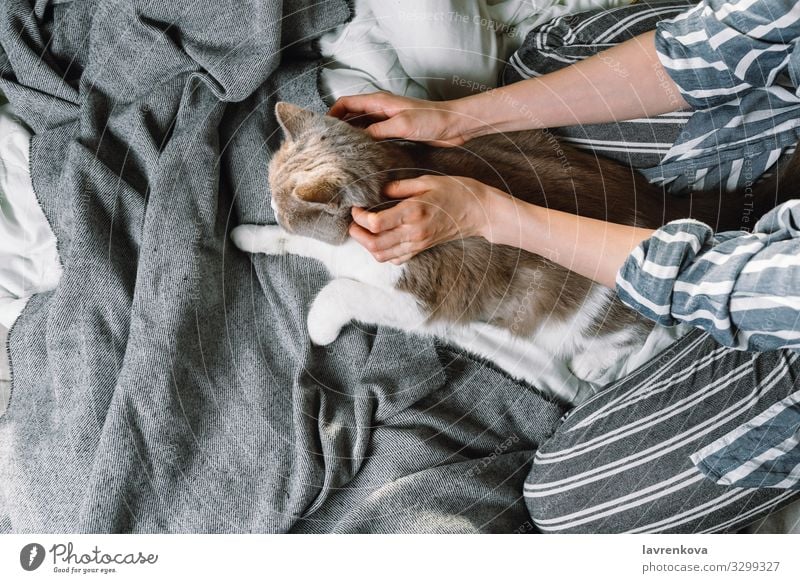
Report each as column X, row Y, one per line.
column 436, row 209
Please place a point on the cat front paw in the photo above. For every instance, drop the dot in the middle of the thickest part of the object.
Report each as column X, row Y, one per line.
column 267, row 239
column 598, row 365
column 328, row 314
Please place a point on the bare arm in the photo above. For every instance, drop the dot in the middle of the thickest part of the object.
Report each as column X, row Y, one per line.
column 443, row 208
column 624, row 82
column 439, row 209
column 590, row 247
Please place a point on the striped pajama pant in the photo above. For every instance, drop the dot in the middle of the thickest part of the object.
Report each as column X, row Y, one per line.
column 620, row 462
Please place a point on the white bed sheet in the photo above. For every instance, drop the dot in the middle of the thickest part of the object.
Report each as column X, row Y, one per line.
column 434, row 49
column 5, row 373
column 29, row 262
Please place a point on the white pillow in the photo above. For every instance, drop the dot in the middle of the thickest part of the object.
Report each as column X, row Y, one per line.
column 437, row 49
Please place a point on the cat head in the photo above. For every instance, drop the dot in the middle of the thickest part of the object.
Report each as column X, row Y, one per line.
column 323, row 168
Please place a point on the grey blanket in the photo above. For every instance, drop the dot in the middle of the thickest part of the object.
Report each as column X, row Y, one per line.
column 168, row 383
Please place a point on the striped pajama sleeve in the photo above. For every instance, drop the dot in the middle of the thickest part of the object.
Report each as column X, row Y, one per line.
column 742, row 288
column 734, row 63
column 720, row 49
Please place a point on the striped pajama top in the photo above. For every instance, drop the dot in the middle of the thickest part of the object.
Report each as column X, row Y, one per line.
column 735, row 63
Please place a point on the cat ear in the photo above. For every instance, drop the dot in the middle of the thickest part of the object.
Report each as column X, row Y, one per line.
column 318, row 191
column 292, row 119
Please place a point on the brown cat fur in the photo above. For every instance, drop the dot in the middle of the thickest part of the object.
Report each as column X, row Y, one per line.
column 326, row 166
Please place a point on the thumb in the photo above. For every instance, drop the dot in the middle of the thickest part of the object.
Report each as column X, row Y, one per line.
column 407, row 188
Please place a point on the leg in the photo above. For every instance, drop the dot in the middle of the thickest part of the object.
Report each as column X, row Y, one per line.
column 349, row 260
column 620, row 462
column 345, row 300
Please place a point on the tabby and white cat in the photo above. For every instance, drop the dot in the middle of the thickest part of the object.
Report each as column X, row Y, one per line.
column 469, row 292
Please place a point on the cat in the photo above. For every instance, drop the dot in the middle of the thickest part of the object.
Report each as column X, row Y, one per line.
column 464, row 289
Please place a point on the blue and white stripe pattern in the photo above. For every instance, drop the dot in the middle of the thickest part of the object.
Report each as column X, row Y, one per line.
column 757, row 452
column 743, row 288
column 637, row 456
column 570, row 38
column 734, row 62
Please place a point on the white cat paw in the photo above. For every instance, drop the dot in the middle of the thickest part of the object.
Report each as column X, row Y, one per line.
column 328, row 315
column 597, row 366
column 322, row 329
column 268, row 239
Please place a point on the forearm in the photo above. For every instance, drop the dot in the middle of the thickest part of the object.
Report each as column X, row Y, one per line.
column 624, row 82
column 592, row 248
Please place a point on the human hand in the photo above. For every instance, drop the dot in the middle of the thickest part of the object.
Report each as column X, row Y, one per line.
column 437, row 123
column 436, row 209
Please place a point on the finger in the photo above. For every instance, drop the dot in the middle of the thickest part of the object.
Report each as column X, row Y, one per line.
column 357, row 104
column 376, row 244
column 361, row 235
column 343, row 106
column 399, row 252
column 402, row 126
column 393, row 127
column 452, row 143
column 364, row 120
column 408, row 187
column 372, row 243
column 378, row 222
column 403, row 259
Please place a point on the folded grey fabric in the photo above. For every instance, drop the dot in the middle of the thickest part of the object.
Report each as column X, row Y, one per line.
column 168, row 383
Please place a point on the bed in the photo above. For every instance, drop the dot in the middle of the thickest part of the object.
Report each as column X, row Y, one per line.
column 195, row 420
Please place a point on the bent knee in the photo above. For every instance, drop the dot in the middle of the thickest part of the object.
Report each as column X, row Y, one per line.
column 559, row 501
column 556, row 507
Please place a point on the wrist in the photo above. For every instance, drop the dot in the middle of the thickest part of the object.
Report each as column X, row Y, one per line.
column 497, row 110
column 470, row 116
column 498, row 215
column 516, row 223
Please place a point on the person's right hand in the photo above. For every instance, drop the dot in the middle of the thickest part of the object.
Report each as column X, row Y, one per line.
column 392, row 116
